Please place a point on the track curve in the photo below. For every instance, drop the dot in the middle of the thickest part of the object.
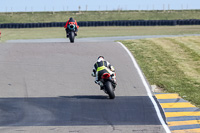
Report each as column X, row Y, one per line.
column 47, row 87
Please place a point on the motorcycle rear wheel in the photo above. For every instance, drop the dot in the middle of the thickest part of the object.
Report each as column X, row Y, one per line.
column 109, row 89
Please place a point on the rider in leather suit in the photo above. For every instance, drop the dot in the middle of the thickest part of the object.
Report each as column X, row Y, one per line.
column 101, row 67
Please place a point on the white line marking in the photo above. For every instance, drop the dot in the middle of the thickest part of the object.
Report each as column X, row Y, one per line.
column 147, row 89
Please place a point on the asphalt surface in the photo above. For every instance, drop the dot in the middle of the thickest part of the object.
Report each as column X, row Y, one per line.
column 48, row 88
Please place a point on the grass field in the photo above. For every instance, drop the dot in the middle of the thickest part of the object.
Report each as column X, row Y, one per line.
column 170, row 63
column 29, row 17
column 39, row 33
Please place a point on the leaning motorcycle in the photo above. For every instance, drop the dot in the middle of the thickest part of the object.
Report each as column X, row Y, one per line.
column 72, row 29
column 108, row 85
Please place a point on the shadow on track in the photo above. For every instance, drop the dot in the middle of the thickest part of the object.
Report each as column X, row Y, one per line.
column 77, row 110
column 85, row 97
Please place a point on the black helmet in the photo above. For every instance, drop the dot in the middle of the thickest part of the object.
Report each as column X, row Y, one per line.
column 71, row 18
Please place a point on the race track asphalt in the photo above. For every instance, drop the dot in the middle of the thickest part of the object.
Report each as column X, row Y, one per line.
column 47, row 88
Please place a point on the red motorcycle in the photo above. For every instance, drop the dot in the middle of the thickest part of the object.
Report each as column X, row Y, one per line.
column 72, row 29
column 108, row 85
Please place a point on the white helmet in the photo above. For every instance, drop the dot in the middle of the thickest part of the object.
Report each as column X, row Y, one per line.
column 100, row 58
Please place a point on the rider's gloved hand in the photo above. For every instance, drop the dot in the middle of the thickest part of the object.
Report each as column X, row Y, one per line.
column 112, row 69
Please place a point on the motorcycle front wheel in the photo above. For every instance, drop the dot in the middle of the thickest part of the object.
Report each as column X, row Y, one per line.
column 71, row 36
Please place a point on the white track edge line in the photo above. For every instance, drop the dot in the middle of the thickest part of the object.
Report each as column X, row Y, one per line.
column 147, row 89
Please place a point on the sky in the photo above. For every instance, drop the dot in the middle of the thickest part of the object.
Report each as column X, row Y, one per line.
column 95, row 5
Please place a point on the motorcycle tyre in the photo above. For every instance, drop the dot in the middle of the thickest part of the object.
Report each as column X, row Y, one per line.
column 109, row 89
column 71, row 36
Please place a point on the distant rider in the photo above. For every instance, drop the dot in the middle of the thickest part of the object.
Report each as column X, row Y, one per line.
column 71, row 21
column 101, row 67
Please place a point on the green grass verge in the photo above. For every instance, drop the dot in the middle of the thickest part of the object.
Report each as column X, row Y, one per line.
column 40, row 33
column 29, row 17
column 170, row 63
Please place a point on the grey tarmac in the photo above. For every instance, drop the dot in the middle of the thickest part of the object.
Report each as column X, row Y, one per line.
column 47, row 88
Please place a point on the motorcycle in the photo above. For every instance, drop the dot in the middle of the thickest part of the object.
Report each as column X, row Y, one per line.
column 108, row 85
column 72, row 34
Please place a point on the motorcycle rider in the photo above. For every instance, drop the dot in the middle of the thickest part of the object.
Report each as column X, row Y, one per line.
column 100, row 67
column 71, row 21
